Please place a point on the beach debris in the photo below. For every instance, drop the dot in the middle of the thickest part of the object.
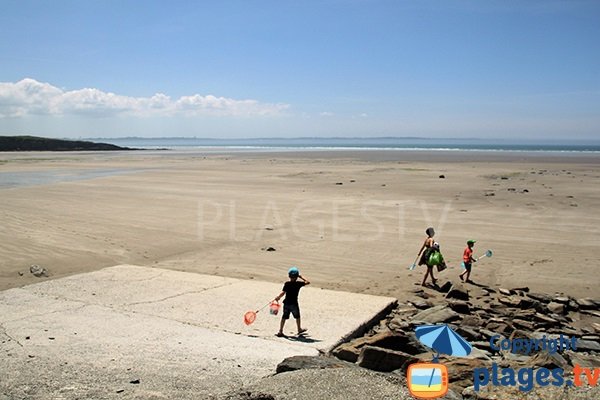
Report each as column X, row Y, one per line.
column 135, row 382
column 442, row 176
column 352, row 180
column 339, row 183
column 21, row 273
column 38, row 271
column 269, row 248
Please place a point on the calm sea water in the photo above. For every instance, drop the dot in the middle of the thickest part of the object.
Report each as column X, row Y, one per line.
column 356, row 144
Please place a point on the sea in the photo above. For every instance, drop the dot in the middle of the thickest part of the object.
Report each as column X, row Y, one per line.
column 343, row 143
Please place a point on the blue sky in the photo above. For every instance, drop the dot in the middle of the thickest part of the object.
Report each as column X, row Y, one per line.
column 490, row 69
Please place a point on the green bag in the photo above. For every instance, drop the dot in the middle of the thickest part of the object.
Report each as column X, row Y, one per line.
column 435, row 258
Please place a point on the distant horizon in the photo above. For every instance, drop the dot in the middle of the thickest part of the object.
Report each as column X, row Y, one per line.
column 559, row 141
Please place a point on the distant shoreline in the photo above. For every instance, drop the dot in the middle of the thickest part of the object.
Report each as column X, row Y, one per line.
column 35, row 143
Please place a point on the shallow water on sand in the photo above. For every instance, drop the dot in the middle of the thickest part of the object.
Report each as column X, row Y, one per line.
column 33, row 178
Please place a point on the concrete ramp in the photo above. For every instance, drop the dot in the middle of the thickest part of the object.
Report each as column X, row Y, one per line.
column 137, row 332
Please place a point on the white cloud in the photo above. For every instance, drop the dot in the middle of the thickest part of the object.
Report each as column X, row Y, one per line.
column 326, row 114
column 30, row 97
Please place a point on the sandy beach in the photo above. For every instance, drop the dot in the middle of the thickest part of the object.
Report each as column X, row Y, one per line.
column 351, row 220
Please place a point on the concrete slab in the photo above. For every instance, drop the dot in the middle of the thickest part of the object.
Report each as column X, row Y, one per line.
column 180, row 334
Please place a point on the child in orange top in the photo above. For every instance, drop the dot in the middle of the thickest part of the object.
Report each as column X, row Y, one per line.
column 467, row 261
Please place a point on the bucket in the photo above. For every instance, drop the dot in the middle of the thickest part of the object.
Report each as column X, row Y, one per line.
column 274, row 308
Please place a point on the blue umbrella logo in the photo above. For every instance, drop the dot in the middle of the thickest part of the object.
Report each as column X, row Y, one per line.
column 443, row 340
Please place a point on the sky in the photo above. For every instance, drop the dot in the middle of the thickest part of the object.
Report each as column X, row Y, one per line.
column 249, row 68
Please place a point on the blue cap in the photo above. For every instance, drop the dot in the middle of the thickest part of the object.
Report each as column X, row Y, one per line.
column 293, row 271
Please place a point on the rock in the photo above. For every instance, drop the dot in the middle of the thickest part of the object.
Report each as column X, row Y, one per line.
column 339, row 183
column 461, row 307
column 505, row 292
column 38, row 271
column 436, row 315
column 545, row 298
column 587, row 304
column 583, row 360
column 573, row 305
column 510, row 301
column 442, row 176
column 596, row 326
column 547, row 360
column 523, row 289
column 562, row 299
column 135, row 382
column 310, row 362
column 269, row 249
column 346, row 352
column 521, row 323
column 471, row 320
column 422, row 304
column 471, row 335
column 383, row 360
column 556, row 308
column 459, row 292
column 588, row 345
column 460, row 370
column 545, row 319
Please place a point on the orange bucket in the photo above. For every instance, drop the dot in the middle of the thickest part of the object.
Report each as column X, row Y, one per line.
column 274, row 308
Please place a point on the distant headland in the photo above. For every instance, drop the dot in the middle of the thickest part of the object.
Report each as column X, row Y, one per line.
column 35, row 143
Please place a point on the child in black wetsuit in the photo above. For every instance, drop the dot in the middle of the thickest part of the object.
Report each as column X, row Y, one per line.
column 290, row 304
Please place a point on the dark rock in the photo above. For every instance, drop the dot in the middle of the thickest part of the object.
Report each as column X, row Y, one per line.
column 442, row 176
column 269, row 249
column 135, row 382
column 445, row 288
column 545, row 298
column 310, row 362
column 461, row 307
column 523, row 289
column 346, row 352
column 505, row 292
column 339, row 183
column 459, row 292
column 383, row 360
column 562, row 299
column 587, row 304
column 422, row 304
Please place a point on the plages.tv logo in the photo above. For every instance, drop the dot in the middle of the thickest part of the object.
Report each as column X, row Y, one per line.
column 430, row 380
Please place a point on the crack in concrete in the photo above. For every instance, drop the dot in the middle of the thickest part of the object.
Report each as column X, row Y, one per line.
column 48, row 313
column 3, row 328
column 179, row 295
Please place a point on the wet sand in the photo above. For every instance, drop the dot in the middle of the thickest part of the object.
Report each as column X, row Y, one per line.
column 351, row 220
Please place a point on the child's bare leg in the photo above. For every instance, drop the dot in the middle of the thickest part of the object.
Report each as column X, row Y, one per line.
column 298, row 324
column 281, row 325
column 425, row 278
